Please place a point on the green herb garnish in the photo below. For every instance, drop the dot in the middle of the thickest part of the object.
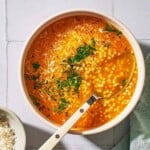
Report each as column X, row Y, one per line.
column 93, row 42
column 106, row 44
column 83, row 52
column 73, row 79
column 61, row 84
column 63, row 105
column 49, row 91
column 110, row 28
column 45, row 90
column 35, row 100
column 36, row 65
column 124, row 81
column 37, row 85
column 35, row 77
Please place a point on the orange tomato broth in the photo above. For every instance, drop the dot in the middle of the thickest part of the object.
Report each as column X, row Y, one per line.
column 57, row 93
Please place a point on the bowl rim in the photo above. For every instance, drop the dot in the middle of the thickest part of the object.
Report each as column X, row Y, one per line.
column 13, row 116
column 133, row 42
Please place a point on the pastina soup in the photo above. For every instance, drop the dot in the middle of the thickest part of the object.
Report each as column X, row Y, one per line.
column 70, row 60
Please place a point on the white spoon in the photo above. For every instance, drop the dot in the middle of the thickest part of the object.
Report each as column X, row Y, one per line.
column 58, row 135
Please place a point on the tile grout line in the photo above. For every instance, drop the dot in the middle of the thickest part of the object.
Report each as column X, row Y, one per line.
column 6, row 22
column 6, row 39
column 112, row 3
column 18, row 41
column 15, row 41
column 143, row 39
column 6, row 74
column 6, row 50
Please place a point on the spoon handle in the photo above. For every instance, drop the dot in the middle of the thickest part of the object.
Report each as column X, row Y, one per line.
column 56, row 137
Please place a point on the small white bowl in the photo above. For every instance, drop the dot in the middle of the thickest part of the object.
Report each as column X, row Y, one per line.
column 137, row 51
column 16, row 124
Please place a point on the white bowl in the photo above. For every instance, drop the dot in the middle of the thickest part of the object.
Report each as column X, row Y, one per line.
column 131, row 39
column 16, row 124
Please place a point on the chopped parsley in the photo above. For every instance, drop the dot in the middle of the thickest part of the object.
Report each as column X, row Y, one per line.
column 124, row 81
column 45, row 90
column 73, row 80
column 83, row 52
column 61, row 84
column 106, row 44
column 50, row 92
column 35, row 100
column 36, row 65
column 37, row 84
column 34, row 77
column 110, row 28
column 70, row 77
column 62, row 105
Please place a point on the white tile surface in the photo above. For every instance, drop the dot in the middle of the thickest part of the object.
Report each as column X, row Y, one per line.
column 24, row 15
column 3, row 74
column 135, row 14
column 2, row 20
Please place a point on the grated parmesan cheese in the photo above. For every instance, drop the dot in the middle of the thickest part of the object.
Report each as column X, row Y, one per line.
column 7, row 136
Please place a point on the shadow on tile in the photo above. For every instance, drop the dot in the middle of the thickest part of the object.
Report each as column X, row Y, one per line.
column 36, row 137
column 121, row 130
column 145, row 46
column 102, row 140
column 106, row 140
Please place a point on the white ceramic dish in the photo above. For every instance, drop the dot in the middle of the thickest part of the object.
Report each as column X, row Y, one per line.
column 131, row 39
column 16, row 124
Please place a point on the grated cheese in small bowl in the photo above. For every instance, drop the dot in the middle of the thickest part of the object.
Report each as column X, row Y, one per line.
column 7, row 136
column 12, row 134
